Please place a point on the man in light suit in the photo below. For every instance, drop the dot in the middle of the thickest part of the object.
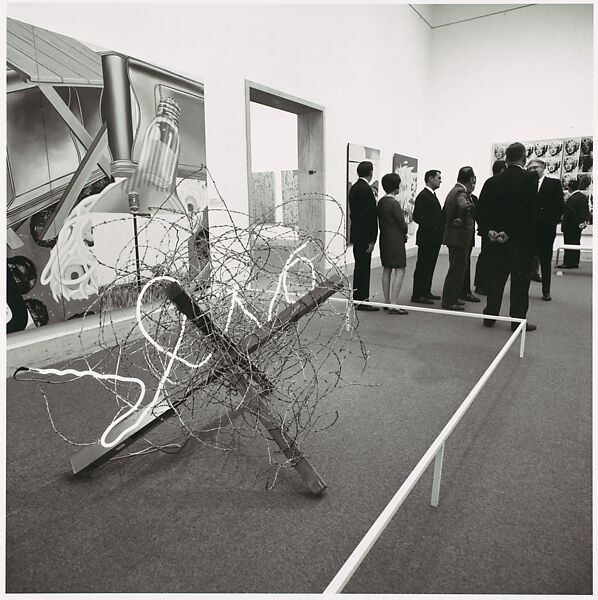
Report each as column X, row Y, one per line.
column 427, row 213
column 549, row 209
column 510, row 198
column 458, row 233
column 364, row 231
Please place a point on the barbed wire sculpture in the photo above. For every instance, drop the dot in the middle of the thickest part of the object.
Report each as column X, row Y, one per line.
column 241, row 281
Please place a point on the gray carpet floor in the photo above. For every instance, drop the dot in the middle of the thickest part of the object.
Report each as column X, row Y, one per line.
column 515, row 512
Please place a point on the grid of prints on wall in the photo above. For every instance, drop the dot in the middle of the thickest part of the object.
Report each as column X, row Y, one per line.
column 566, row 159
column 355, row 155
column 406, row 168
column 68, row 222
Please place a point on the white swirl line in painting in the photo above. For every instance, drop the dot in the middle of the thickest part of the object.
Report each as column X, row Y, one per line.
column 71, row 266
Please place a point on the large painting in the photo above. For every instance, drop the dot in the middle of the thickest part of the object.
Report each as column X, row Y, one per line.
column 406, row 168
column 566, row 158
column 106, row 175
column 355, row 155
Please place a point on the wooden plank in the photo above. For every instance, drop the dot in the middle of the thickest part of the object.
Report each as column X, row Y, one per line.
column 96, row 454
column 290, row 197
column 262, row 198
column 312, row 205
column 255, row 399
column 281, row 100
column 291, row 314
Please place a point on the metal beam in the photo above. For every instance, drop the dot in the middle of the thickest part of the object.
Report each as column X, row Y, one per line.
column 76, row 184
column 65, row 113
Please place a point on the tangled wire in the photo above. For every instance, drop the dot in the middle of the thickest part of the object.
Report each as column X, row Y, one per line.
column 252, row 353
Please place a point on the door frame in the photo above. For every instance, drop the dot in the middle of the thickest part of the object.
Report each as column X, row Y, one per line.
column 310, row 142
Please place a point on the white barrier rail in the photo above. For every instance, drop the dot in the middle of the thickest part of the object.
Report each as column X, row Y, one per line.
column 440, row 311
column 570, row 247
column 435, row 451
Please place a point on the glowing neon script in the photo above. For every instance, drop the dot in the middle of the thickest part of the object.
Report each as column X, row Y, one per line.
column 153, row 405
column 282, row 278
column 99, row 376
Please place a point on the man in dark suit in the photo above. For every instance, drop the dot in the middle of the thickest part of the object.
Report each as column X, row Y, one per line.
column 576, row 215
column 465, row 293
column 549, row 209
column 364, row 231
column 427, row 213
column 481, row 267
column 458, row 233
column 510, row 198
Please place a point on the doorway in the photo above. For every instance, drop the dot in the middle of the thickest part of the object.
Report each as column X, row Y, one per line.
column 309, row 182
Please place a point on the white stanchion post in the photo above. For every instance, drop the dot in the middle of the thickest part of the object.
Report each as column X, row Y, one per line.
column 350, row 312
column 522, row 345
column 437, row 476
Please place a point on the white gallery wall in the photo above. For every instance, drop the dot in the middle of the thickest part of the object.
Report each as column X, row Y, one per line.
column 386, row 78
column 521, row 75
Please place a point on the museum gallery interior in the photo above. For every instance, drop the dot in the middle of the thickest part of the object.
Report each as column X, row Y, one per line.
column 196, row 400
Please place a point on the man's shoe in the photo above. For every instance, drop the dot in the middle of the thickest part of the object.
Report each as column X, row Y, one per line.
column 366, row 307
column 528, row 327
column 566, row 267
column 418, row 300
column 459, row 302
column 432, row 297
column 481, row 291
column 470, row 298
column 536, row 278
column 453, row 307
column 398, row 311
column 546, row 297
column 489, row 323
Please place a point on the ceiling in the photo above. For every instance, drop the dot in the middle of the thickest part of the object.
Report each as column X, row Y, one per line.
column 440, row 15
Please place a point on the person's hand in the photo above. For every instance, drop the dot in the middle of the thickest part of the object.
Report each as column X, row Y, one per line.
column 458, row 222
column 370, row 247
column 583, row 225
column 492, row 235
column 502, row 237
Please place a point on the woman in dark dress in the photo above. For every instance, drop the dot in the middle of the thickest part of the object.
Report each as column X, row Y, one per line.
column 393, row 235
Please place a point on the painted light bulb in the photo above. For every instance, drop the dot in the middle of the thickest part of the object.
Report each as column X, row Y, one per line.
column 155, row 178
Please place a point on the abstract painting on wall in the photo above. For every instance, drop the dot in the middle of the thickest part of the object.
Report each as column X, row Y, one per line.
column 406, row 168
column 84, row 131
column 355, row 155
column 566, row 159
